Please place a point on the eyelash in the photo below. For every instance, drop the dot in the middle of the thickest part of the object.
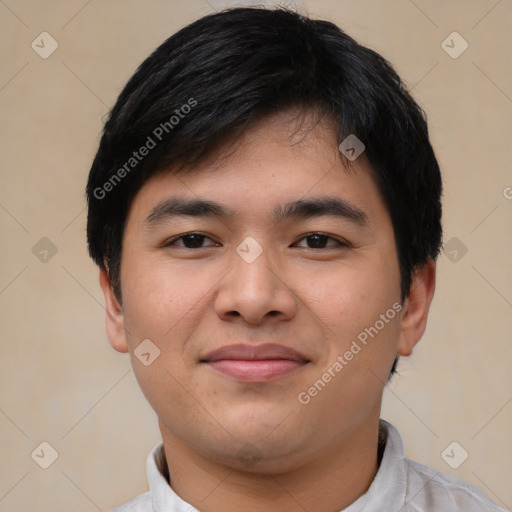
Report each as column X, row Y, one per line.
column 171, row 242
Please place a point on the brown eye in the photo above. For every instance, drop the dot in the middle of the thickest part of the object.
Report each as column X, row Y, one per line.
column 189, row 241
column 320, row 241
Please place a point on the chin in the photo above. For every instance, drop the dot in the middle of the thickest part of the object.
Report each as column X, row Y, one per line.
column 260, row 457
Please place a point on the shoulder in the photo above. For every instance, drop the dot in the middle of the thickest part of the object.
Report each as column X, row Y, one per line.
column 141, row 503
column 429, row 489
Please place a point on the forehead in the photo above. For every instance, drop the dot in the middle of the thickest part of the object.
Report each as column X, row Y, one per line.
column 283, row 158
column 292, row 132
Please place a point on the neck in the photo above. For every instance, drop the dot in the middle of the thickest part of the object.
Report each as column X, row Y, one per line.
column 333, row 480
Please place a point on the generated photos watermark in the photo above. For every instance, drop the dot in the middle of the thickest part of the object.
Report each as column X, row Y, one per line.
column 152, row 141
column 304, row 397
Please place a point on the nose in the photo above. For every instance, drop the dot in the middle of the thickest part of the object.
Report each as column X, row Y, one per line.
column 255, row 291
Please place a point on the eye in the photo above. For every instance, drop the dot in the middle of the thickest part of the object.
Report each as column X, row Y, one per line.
column 319, row 241
column 190, row 241
column 196, row 241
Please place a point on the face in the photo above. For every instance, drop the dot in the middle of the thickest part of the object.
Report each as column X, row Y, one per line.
column 275, row 307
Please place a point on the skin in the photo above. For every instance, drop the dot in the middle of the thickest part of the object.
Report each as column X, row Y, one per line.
column 319, row 456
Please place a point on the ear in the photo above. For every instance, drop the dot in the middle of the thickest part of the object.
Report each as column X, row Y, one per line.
column 416, row 307
column 114, row 318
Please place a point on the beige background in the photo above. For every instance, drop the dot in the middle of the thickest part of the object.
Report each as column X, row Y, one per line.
column 63, row 384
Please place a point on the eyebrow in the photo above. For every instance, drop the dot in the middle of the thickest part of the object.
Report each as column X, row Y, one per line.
column 299, row 209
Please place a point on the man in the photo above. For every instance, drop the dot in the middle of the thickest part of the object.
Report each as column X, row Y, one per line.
column 265, row 211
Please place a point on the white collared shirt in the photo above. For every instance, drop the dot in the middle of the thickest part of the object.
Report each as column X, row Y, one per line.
column 400, row 485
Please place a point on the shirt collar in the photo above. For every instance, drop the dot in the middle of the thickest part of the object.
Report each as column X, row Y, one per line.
column 163, row 497
column 386, row 492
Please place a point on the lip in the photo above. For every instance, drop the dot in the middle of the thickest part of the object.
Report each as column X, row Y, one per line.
column 255, row 363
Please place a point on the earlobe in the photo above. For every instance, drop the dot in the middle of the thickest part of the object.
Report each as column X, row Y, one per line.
column 416, row 308
column 114, row 317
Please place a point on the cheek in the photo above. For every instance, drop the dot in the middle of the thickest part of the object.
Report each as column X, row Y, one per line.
column 161, row 304
column 157, row 296
column 359, row 304
column 351, row 298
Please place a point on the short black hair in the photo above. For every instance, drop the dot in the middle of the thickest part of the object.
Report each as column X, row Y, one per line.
column 212, row 80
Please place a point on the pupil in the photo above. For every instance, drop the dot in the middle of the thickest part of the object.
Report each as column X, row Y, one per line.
column 318, row 241
column 193, row 241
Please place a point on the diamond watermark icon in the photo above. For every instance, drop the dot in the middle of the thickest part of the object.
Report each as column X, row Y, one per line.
column 454, row 45
column 249, row 249
column 44, row 250
column 454, row 455
column 352, row 147
column 44, row 455
column 146, row 352
column 249, row 454
column 455, row 249
column 44, row 45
